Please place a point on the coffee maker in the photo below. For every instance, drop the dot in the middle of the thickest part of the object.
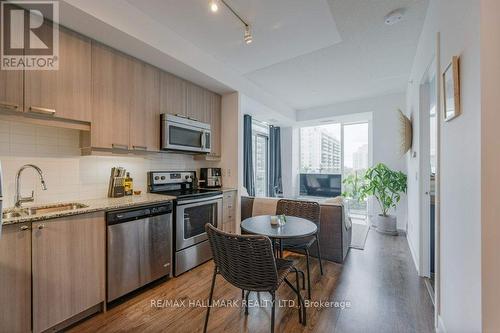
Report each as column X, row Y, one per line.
column 211, row 177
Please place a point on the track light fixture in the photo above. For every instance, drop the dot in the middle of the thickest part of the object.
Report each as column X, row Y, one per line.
column 214, row 7
column 248, row 35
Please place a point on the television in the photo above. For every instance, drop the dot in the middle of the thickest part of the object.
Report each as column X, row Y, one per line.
column 320, row 185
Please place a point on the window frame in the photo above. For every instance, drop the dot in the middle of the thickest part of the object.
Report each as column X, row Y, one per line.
column 256, row 125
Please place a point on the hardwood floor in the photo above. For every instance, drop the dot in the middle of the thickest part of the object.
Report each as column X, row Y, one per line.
column 381, row 284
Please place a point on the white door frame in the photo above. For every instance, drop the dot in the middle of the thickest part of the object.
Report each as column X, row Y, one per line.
column 424, row 170
column 424, row 182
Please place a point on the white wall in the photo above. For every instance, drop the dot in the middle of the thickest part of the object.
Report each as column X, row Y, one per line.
column 490, row 142
column 232, row 146
column 70, row 176
column 458, row 23
column 382, row 110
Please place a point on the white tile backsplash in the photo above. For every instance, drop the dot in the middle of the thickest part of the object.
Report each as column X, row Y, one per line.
column 68, row 175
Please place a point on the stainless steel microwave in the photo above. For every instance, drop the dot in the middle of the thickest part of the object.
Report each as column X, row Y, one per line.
column 184, row 134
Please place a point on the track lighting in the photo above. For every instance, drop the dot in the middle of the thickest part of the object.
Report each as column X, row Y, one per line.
column 214, row 7
column 248, row 35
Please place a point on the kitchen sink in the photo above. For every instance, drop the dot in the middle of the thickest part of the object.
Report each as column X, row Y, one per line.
column 10, row 215
column 53, row 208
column 40, row 210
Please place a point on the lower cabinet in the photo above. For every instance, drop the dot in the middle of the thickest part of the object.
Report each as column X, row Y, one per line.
column 229, row 211
column 56, row 268
column 68, row 268
column 15, row 279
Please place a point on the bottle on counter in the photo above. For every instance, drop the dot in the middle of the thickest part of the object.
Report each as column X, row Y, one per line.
column 129, row 185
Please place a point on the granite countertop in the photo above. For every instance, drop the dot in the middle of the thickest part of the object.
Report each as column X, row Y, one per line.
column 93, row 205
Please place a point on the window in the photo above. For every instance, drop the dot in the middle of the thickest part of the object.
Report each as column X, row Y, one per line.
column 320, row 149
column 328, row 154
column 260, row 147
column 320, row 161
column 356, row 160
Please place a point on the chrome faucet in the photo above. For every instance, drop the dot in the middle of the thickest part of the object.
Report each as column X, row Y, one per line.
column 19, row 199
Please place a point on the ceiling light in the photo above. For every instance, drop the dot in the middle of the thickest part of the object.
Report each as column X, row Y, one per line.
column 394, row 17
column 214, row 7
column 248, row 35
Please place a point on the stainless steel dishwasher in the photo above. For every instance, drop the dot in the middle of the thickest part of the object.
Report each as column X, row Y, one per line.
column 139, row 247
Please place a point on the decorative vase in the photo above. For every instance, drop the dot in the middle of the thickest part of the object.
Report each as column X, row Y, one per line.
column 386, row 224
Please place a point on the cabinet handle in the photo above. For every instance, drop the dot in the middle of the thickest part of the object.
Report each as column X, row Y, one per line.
column 140, row 147
column 9, row 106
column 41, row 226
column 38, row 109
column 24, row 227
column 119, row 146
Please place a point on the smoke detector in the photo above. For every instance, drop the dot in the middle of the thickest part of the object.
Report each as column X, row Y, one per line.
column 394, row 17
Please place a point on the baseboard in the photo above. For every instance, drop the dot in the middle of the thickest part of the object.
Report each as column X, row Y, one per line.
column 412, row 251
column 440, row 328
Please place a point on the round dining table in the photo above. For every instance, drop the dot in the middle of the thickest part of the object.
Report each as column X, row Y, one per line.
column 295, row 227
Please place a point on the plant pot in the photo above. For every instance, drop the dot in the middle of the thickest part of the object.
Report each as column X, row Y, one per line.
column 386, row 224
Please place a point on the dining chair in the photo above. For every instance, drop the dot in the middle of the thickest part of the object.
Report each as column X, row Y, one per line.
column 308, row 210
column 248, row 263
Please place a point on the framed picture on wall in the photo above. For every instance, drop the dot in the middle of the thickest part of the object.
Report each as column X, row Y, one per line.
column 451, row 90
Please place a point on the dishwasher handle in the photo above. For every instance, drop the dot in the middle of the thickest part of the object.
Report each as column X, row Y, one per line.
column 137, row 213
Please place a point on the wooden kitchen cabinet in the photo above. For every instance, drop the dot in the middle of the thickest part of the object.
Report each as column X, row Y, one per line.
column 66, row 92
column 197, row 102
column 11, row 90
column 68, row 267
column 145, row 111
column 173, row 95
column 15, row 278
column 215, row 124
column 112, row 97
column 229, row 211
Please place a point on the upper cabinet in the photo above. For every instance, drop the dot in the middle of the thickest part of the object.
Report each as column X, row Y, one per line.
column 125, row 102
column 119, row 98
column 172, row 95
column 112, row 89
column 145, row 108
column 197, row 103
column 215, row 124
column 66, row 92
column 11, row 90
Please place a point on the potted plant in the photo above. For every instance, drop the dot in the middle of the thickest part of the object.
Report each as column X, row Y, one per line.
column 386, row 186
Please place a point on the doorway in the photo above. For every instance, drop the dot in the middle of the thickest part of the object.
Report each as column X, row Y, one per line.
column 429, row 171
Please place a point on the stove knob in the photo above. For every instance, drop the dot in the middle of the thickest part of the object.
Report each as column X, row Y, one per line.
column 157, row 177
column 162, row 177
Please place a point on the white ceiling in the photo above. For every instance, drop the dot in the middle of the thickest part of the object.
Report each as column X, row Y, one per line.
column 282, row 29
column 372, row 59
column 298, row 55
column 305, row 54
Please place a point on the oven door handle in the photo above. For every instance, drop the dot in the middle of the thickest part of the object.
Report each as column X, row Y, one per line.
column 206, row 199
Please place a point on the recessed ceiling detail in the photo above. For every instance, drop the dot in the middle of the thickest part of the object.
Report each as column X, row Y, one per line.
column 281, row 29
column 373, row 58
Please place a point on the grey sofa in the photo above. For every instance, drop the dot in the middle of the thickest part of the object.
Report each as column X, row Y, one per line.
column 334, row 236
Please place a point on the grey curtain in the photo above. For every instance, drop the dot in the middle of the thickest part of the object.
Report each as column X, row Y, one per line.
column 248, row 177
column 275, row 180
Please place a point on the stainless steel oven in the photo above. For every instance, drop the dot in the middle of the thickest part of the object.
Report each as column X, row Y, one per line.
column 191, row 217
column 184, row 134
column 194, row 208
column 192, row 247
